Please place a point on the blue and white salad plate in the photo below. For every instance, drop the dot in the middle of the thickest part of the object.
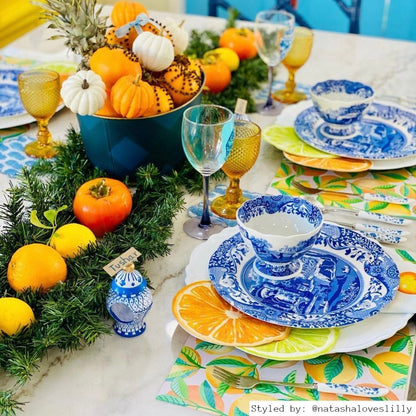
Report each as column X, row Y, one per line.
column 10, row 104
column 345, row 279
column 386, row 131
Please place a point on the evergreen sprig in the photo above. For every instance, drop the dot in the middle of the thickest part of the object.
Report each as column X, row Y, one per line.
column 249, row 76
column 73, row 315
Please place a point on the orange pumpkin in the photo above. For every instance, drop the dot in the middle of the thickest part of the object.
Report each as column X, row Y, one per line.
column 131, row 96
column 113, row 63
column 124, row 12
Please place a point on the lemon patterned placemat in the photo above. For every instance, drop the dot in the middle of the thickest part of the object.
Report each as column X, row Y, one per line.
column 190, row 382
column 396, row 183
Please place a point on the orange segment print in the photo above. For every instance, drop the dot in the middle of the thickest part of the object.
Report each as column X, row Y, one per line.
column 336, row 164
column 201, row 312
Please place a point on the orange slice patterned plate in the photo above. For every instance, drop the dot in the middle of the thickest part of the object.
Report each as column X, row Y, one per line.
column 201, row 312
column 339, row 164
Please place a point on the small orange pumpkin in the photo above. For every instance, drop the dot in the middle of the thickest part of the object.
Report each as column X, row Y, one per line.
column 113, row 63
column 124, row 12
column 131, row 96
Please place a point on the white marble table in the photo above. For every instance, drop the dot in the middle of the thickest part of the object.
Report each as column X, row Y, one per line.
column 121, row 377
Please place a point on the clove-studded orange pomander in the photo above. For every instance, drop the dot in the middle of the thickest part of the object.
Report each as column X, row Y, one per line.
column 163, row 102
column 113, row 63
column 125, row 41
column 182, row 79
column 131, row 96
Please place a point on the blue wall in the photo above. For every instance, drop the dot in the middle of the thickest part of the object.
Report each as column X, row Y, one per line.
column 389, row 18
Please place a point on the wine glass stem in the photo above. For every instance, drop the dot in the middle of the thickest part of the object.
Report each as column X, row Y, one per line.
column 233, row 192
column 44, row 135
column 205, row 218
column 269, row 101
column 290, row 83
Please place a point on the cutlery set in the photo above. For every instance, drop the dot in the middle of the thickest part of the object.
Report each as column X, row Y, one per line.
column 383, row 234
column 246, row 382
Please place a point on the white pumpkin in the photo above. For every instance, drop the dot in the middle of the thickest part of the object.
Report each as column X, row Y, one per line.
column 180, row 37
column 155, row 52
column 84, row 92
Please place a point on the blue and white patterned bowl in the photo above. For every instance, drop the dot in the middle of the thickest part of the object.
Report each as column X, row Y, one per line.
column 341, row 103
column 279, row 229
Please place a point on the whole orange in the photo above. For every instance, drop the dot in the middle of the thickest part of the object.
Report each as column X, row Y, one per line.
column 36, row 266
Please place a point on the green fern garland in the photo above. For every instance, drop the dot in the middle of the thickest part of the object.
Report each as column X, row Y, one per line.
column 73, row 315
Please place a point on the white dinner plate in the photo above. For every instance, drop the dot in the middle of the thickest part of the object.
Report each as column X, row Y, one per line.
column 351, row 338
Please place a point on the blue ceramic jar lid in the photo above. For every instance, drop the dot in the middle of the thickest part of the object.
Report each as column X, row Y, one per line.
column 129, row 282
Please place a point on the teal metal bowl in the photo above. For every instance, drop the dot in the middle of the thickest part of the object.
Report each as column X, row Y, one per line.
column 120, row 145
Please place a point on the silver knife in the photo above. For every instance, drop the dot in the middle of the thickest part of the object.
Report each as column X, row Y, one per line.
column 362, row 391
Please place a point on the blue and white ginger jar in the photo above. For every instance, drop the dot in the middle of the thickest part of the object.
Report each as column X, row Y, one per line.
column 128, row 302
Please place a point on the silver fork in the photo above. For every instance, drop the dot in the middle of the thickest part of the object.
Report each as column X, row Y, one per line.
column 246, row 382
column 373, row 216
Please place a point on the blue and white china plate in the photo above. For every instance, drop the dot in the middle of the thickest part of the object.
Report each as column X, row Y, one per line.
column 353, row 337
column 10, row 104
column 386, row 131
column 345, row 278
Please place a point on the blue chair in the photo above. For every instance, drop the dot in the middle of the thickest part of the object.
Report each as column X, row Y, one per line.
column 352, row 12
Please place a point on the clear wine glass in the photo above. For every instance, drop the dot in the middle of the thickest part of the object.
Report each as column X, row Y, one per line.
column 39, row 91
column 296, row 58
column 207, row 139
column 273, row 31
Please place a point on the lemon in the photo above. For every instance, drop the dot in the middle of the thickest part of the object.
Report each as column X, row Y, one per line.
column 286, row 139
column 301, row 344
column 70, row 239
column 227, row 55
column 15, row 314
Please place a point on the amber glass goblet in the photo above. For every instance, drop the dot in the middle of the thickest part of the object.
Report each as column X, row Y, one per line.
column 40, row 95
column 296, row 58
column 244, row 153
